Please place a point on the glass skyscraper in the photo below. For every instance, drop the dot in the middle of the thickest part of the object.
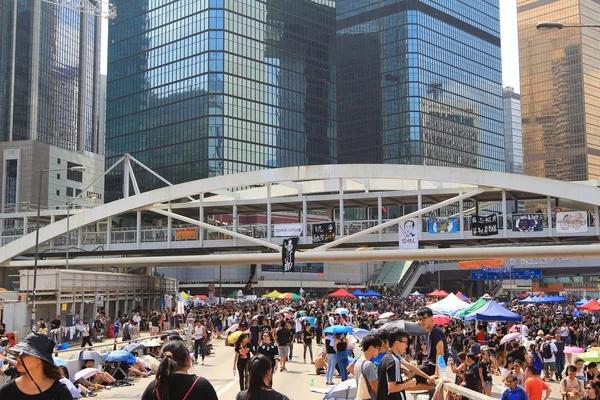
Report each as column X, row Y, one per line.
column 560, row 89
column 419, row 82
column 200, row 88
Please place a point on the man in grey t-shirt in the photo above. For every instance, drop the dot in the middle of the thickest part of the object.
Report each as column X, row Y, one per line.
column 364, row 368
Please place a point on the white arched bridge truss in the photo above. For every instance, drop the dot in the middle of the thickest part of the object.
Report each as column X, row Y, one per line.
column 354, row 197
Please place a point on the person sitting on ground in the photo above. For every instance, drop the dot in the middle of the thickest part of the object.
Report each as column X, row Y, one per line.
column 76, row 392
column 101, row 376
column 321, row 364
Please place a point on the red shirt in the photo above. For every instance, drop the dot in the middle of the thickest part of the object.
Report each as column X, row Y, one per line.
column 534, row 387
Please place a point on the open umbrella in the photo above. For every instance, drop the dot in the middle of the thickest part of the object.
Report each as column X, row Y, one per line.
column 343, row 390
column 360, row 333
column 382, row 321
column 590, row 356
column 342, row 311
column 312, row 303
column 120, row 356
column 232, row 328
column 59, row 362
column 133, row 347
column 85, row 373
column 510, row 337
column 87, row 355
column 152, row 343
column 338, row 329
column 441, row 319
column 412, row 328
column 234, row 336
column 386, row 315
column 573, row 350
column 290, row 297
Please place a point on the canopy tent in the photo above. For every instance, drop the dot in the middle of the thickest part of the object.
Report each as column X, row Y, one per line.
column 233, row 295
column 443, row 293
column 582, row 302
column 493, row 311
column 372, row 293
column 592, row 305
column 559, row 299
column 528, row 299
column 475, row 306
column 358, row 293
column 200, row 296
column 341, row 293
column 462, row 297
column 436, row 293
column 273, row 295
column 449, row 306
column 416, row 294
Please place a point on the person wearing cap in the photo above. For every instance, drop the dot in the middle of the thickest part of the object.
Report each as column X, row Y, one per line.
column 39, row 376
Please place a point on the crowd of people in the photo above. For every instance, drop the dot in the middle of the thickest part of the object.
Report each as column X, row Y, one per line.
column 265, row 335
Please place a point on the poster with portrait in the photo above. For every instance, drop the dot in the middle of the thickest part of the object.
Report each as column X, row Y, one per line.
column 443, row 224
column 408, row 234
column 528, row 222
column 484, row 225
column 288, row 254
column 571, row 222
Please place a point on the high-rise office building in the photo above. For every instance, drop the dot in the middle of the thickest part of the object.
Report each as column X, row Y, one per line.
column 560, row 89
column 210, row 87
column 49, row 103
column 513, row 137
column 419, row 82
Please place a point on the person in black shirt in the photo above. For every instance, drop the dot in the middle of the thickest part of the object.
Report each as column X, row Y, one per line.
column 269, row 349
column 172, row 378
column 39, row 376
column 283, row 338
column 307, row 337
column 436, row 343
column 291, row 326
column 516, row 353
column 422, row 355
column 255, row 330
column 390, row 385
column 261, row 381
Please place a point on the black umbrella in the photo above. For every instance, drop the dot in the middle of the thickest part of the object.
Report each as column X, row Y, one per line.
column 412, row 328
column 381, row 321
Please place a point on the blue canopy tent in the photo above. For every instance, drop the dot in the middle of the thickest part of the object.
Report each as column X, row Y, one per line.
column 372, row 293
column 493, row 311
column 358, row 293
column 416, row 294
column 528, row 299
column 581, row 302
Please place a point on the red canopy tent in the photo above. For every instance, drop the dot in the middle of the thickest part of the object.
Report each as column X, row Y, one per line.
column 443, row 293
column 200, row 296
column 591, row 306
column 436, row 293
column 341, row 293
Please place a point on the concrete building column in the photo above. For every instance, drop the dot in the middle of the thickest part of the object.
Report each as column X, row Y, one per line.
column 201, row 219
column 461, row 213
column 138, row 229
column 341, row 185
column 504, row 216
column 379, row 215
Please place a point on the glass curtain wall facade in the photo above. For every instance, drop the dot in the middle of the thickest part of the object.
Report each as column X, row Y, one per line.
column 560, row 89
column 49, row 93
column 202, row 88
column 513, row 136
column 419, row 82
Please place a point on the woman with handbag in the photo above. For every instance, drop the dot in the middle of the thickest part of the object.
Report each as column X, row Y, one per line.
column 172, row 379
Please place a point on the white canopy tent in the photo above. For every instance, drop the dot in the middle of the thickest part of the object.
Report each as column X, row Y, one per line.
column 449, row 305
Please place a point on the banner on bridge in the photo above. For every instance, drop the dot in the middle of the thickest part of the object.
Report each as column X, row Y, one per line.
column 571, row 222
column 484, row 225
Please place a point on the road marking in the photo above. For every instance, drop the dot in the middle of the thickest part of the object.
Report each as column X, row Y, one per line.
column 226, row 387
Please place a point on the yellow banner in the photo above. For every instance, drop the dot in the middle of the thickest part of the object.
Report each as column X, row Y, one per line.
column 185, row 234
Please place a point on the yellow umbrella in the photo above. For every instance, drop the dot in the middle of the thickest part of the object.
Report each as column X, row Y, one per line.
column 274, row 295
column 184, row 295
column 234, row 336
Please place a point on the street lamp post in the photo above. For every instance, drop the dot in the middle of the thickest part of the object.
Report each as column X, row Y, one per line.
column 37, row 234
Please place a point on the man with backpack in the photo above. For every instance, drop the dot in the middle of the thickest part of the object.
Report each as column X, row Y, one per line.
column 549, row 350
column 513, row 391
column 126, row 327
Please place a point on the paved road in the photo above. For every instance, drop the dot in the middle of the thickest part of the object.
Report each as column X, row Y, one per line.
column 295, row 383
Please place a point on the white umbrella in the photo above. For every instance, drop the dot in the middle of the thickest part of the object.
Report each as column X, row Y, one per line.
column 360, row 333
column 84, row 374
column 152, row 343
column 342, row 311
column 312, row 303
column 232, row 328
column 343, row 390
column 386, row 315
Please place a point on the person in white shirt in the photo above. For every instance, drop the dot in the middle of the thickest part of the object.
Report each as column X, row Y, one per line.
column 199, row 333
column 524, row 332
column 548, row 348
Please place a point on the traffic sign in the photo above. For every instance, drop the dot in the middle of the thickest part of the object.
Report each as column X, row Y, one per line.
column 516, row 274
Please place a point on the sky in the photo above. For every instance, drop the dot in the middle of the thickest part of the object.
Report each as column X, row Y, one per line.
column 508, row 32
column 510, row 45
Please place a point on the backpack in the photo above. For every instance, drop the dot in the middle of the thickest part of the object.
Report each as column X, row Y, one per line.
column 547, row 351
column 126, row 329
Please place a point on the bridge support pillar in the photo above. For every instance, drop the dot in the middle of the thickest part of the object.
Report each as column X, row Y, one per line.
column 169, row 228
column 25, row 225
column 461, row 215
column 138, row 229
column 549, row 213
column 305, row 218
column 379, row 215
column 108, row 232
column 201, row 219
column 504, row 217
column 235, row 221
column 341, row 183
column 269, row 220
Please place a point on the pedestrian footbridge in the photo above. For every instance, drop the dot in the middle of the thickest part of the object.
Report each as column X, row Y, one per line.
column 412, row 212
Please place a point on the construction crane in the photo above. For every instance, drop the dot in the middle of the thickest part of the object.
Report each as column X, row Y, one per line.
column 100, row 8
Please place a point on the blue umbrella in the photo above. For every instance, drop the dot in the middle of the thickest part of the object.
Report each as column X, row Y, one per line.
column 338, row 329
column 120, row 355
column 311, row 321
column 59, row 362
column 360, row 333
